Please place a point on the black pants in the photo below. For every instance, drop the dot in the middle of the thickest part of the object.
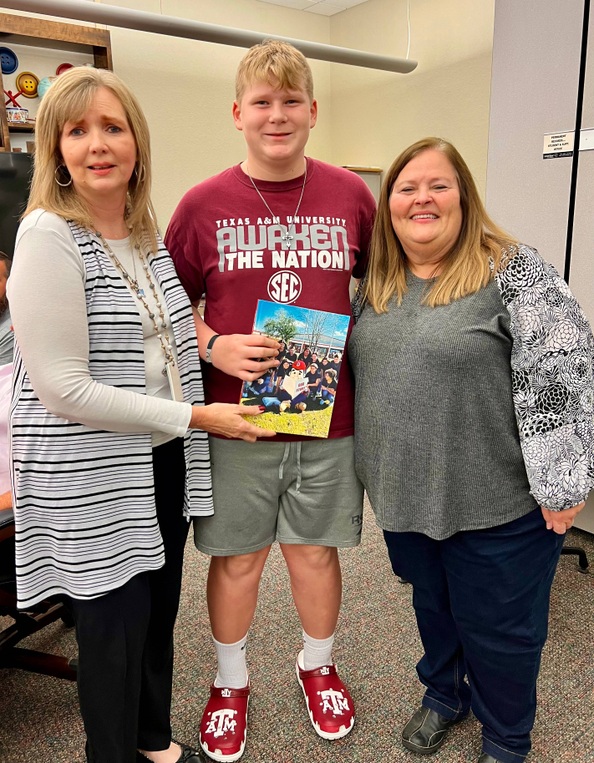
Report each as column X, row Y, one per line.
column 125, row 638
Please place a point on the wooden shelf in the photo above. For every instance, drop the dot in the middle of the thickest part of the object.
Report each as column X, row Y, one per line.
column 20, row 127
column 24, row 30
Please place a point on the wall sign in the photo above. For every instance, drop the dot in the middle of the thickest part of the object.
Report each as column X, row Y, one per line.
column 558, row 144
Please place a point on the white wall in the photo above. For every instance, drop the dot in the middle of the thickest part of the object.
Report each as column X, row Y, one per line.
column 533, row 93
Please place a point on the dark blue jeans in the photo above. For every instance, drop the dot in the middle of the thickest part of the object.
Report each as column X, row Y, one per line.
column 481, row 600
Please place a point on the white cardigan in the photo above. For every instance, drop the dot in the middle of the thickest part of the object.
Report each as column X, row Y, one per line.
column 81, row 422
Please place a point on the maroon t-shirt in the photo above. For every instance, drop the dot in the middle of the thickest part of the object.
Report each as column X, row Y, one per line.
column 226, row 245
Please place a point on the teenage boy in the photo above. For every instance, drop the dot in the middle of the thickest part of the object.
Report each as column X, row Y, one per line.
column 289, row 229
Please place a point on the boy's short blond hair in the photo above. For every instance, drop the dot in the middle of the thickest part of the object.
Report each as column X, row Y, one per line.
column 277, row 62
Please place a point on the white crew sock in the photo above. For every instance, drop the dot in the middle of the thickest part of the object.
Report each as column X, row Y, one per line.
column 232, row 670
column 317, row 652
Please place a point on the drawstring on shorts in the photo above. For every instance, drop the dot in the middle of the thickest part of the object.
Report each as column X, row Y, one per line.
column 285, row 459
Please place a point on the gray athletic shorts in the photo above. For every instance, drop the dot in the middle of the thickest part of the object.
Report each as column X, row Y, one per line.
column 303, row 492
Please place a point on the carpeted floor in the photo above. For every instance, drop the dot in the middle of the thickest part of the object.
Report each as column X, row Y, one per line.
column 376, row 650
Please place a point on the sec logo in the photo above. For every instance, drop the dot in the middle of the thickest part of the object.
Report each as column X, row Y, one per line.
column 285, row 287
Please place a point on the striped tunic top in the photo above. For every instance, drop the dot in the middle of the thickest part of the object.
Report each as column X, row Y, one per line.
column 83, row 479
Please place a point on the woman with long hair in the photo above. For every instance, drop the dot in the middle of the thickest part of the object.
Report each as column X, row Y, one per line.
column 108, row 424
column 474, row 440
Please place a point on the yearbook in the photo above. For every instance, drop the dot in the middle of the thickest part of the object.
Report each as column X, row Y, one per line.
column 298, row 395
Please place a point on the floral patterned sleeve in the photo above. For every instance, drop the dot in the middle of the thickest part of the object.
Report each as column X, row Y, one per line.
column 357, row 302
column 552, row 364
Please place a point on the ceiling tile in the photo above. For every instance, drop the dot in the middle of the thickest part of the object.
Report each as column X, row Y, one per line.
column 299, row 5
column 326, row 8
column 322, row 7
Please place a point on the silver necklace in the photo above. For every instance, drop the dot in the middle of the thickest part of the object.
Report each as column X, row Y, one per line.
column 287, row 235
column 160, row 325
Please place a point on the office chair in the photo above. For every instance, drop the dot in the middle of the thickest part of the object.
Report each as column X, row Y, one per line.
column 27, row 622
column 580, row 553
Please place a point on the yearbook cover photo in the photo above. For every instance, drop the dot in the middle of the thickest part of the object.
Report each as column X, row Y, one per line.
column 299, row 394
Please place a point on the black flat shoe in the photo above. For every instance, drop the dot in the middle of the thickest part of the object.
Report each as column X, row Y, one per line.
column 487, row 759
column 426, row 730
column 188, row 755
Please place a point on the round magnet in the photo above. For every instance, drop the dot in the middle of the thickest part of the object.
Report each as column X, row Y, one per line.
column 44, row 85
column 27, row 83
column 10, row 63
column 62, row 68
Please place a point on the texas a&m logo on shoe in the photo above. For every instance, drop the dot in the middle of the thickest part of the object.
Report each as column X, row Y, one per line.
column 221, row 722
column 223, row 728
column 329, row 704
column 332, row 701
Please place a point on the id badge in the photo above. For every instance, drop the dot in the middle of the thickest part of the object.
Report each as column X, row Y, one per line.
column 174, row 382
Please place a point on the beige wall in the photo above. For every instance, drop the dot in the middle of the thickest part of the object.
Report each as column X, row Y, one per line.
column 376, row 114
column 186, row 87
column 366, row 116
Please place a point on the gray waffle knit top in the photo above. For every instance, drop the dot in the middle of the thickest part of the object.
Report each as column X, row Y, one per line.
column 472, row 414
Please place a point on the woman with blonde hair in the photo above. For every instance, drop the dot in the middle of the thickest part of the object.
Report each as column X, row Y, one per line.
column 477, row 448
column 108, row 424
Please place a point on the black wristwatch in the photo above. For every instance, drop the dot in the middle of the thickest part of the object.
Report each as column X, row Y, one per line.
column 211, row 341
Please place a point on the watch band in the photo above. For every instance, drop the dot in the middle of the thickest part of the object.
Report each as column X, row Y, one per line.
column 208, row 354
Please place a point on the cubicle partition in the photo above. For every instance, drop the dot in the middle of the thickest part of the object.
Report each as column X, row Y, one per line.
column 540, row 173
